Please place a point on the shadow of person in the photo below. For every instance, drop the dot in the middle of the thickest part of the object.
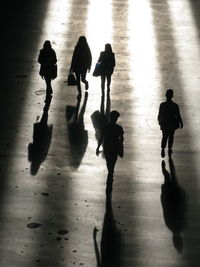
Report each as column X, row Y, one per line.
column 110, row 252
column 42, row 134
column 173, row 204
column 101, row 117
column 77, row 135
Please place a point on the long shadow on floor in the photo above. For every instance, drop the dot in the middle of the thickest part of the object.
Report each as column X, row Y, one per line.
column 42, row 134
column 77, row 135
column 173, row 201
column 109, row 254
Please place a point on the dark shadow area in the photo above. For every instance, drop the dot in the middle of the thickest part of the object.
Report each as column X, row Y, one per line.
column 109, row 254
column 195, row 7
column 101, row 117
column 173, row 200
column 21, row 25
column 77, row 135
column 42, row 134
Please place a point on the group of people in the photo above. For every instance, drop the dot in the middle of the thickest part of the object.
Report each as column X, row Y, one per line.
column 80, row 64
column 169, row 117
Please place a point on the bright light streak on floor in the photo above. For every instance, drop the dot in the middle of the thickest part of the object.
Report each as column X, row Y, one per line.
column 145, row 76
column 146, row 82
column 99, row 26
column 187, row 42
column 56, row 21
column 98, row 32
column 142, row 46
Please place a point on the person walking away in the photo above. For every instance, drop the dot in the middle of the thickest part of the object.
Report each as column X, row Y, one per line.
column 169, row 119
column 112, row 137
column 107, row 60
column 48, row 68
column 81, row 62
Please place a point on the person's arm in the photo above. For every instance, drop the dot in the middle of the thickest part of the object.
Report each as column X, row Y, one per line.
column 96, row 247
column 179, row 117
column 40, row 57
column 100, row 57
column 159, row 114
column 90, row 59
column 121, row 137
column 114, row 62
column 54, row 57
column 74, row 56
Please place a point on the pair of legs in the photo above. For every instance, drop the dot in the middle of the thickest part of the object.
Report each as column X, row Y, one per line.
column 103, row 81
column 111, row 159
column 81, row 77
column 167, row 137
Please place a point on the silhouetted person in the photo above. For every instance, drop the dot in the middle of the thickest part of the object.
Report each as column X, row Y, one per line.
column 169, row 119
column 42, row 133
column 81, row 62
column 112, row 140
column 77, row 134
column 48, row 69
column 110, row 253
column 101, row 118
column 107, row 59
column 173, row 203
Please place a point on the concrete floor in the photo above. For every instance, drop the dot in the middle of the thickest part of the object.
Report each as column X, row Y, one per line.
column 53, row 200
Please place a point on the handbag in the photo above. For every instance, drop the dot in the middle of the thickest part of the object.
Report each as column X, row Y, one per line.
column 98, row 69
column 71, row 80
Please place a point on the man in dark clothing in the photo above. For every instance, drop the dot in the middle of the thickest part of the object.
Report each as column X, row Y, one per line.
column 112, row 140
column 169, row 119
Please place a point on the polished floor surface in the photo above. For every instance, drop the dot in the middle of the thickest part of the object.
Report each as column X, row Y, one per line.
column 53, row 206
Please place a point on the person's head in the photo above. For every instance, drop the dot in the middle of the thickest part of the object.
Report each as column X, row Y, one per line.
column 108, row 47
column 169, row 94
column 114, row 115
column 47, row 44
column 82, row 40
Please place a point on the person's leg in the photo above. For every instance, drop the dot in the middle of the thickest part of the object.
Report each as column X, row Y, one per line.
column 170, row 141
column 165, row 135
column 109, row 184
column 78, row 80
column 110, row 162
column 49, row 90
column 103, row 79
column 83, row 79
column 108, row 81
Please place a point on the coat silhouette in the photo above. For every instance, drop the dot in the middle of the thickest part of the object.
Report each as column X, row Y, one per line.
column 112, row 140
column 107, row 59
column 169, row 119
column 81, row 62
column 48, row 68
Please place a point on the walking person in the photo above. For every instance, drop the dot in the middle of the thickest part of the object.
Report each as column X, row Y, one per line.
column 169, row 119
column 112, row 137
column 107, row 60
column 81, row 62
column 48, row 68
